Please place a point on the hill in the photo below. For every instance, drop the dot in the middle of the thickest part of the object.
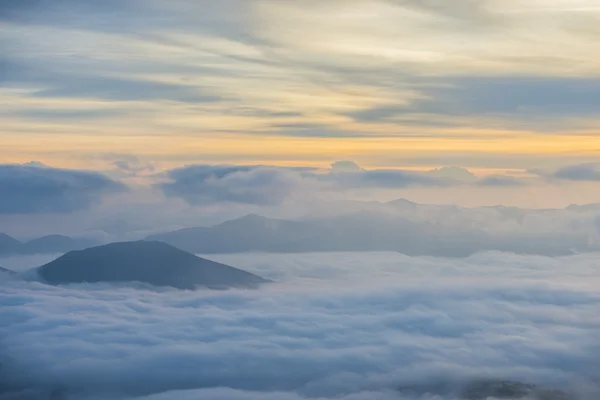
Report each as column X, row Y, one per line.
column 151, row 262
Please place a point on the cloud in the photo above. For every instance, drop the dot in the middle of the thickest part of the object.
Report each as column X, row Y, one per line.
column 123, row 89
column 351, row 175
column 271, row 185
column 68, row 114
column 11, row 9
column 268, row 185
column 381, row 178
column 63, row 12
column 64, row 78
column 345, row 166
column 580, row 172
column 302, row 129
column 331, row 328
column 209, row 184
column 467, row 10
column 130, row 165
column 500, row 181
column 32, row 188
column 251, row 68
column 524, row 97
column 452, row 172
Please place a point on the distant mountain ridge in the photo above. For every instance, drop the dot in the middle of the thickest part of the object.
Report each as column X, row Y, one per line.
column 7, row 271
column 42, row 245
column 7, row 243
column 399, row 225
column 156, row 263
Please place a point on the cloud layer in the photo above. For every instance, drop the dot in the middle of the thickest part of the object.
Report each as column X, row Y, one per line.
column 269, row 185
column 335, row 326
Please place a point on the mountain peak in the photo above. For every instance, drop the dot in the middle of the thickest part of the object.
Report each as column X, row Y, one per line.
column 248, row 220
column 152, row 262
column 402, row 203
column 6, row 240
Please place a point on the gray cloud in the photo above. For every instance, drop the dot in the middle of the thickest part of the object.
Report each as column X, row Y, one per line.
column 345, row 166
column 73, row 13
column 131, row 165
column 13, row 9
column 350, row 327
column 312, row 130
column 261, row 112
column 208, row 184
column 38, row 189
column 500, row 181
column 267, row 185
column 463, row 10
column 381, row 178
column 581, row 172
column 123, row 89
column 452, row 172
column 85, row 81
column 496, row 96
column 60, row 114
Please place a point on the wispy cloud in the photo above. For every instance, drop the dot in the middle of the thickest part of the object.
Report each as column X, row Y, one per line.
column 463, row 70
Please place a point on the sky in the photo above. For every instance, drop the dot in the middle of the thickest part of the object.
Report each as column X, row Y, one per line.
column 482, row 84
column 178, row 103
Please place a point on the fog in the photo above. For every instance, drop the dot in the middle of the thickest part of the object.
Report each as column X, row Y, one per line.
column 334, row 325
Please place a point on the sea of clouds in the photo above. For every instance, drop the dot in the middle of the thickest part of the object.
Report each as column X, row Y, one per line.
column 350, row 326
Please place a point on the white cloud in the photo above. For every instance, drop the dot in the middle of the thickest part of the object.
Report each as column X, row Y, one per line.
column 349, row 326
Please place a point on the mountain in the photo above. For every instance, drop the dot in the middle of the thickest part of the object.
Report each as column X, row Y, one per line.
column 54, row 244
column 151, row 262
column 7, row 271
column 43, row 245
column 7, row 243
column 400, row 226
column 360, row 231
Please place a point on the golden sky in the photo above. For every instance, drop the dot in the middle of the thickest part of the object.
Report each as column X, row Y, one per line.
column 481, row 84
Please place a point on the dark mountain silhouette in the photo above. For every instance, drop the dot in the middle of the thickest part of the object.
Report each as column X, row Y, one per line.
column 368, row 231
column 156, row 263
column 43, row 245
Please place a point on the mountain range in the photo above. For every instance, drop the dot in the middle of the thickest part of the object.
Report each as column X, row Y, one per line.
column 401, row 226
column 43, row 245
